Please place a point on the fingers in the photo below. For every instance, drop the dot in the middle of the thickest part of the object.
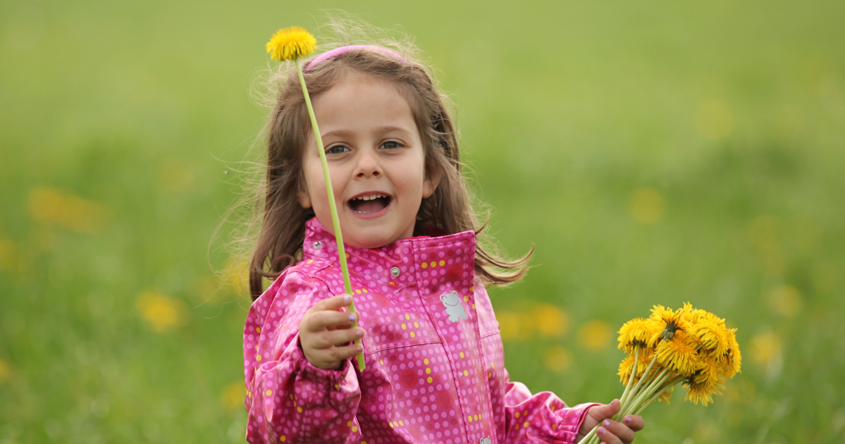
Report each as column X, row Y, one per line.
column 332, row 357
column 335, row 338
column 326, row 334
column 325, row 315
column 333, row 303
column 634, row 422
column 612, row 432
column 606, row 411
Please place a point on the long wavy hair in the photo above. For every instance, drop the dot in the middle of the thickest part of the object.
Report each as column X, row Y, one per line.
column 447, row 211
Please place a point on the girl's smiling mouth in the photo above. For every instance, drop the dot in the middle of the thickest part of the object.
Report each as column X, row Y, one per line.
column 369, row 203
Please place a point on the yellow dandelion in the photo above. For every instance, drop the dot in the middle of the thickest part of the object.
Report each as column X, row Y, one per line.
column 5, row 371
column 635, row 333
column 595, row 335
column 732, row 361
column 701, row 392
column 664, row 397
column 670, row 320
column 550, row 320
column 557, row 358
column 644, row 359
column 162, row 313
column 711, row 331
column 291, row 43
column 233, row 395
column 709, row 374
column 680, row 353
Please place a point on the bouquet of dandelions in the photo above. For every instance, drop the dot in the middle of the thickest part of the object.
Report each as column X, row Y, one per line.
column 688, row 346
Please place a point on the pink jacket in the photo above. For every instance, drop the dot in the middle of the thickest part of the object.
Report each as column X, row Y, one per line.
column 434, row 363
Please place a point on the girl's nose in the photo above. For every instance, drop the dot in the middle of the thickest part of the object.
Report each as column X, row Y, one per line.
column 368, row 165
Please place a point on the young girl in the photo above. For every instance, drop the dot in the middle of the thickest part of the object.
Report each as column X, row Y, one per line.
column 434, row 363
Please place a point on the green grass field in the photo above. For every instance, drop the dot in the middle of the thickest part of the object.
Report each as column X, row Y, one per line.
column 655, row 153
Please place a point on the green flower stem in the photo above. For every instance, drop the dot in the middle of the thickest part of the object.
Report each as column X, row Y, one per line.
column 347, row 284
column 656, row 395
column 631, row 379
column 647, row 392
column 636, row 389
column 592, row 437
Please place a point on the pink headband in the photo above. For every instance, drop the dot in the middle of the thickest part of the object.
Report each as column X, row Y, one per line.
column 343, row 49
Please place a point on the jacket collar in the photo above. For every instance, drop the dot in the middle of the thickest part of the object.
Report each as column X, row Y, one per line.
column 403, row 262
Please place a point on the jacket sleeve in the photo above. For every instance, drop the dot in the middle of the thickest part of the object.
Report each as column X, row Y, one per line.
column 542, row 417
column 289, row 399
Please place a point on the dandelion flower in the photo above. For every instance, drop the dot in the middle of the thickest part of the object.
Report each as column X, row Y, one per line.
column 664, row 397
column 627, row 365
column 670, row 320
column 680, row 353
column 711, row 331
column 733, row 359
column 291, row 43
column 709, row 374
column 635, row 333
column 702, row 392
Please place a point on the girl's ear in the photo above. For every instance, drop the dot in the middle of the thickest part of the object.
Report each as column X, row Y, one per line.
column 430, row 183
column 303, row 198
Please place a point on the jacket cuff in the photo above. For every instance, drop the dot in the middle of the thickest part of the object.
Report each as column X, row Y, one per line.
column 584, row 409
column 309, row 372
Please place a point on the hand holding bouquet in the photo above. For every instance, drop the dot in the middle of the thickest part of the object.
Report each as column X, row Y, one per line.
column 686, row 346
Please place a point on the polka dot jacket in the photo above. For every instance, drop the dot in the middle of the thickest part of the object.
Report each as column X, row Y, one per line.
column 434, row 361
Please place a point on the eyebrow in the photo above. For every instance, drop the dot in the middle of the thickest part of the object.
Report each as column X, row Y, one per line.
column 377, row 130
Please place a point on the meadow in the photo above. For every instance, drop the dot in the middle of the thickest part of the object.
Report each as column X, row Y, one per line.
column 654, row 152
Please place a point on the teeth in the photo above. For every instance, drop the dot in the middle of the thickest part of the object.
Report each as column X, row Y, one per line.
column 371, row 197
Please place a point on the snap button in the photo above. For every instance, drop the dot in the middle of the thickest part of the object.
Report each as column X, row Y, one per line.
column 318, row 244
column 394, row 271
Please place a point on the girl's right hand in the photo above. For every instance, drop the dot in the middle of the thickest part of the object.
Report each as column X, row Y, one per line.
column 325, row 333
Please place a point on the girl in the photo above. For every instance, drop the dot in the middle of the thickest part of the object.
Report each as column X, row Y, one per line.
column 434, row 363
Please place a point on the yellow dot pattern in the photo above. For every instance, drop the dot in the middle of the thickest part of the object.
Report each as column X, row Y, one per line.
column 433, row 264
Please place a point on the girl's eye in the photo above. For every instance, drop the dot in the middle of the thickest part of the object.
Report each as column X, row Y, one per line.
column 391, row 145
column 337, row 149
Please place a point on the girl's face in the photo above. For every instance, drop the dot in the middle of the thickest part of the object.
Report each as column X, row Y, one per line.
column 376, row 162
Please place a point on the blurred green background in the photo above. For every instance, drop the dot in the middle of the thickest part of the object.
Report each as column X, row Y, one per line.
column 655, row 152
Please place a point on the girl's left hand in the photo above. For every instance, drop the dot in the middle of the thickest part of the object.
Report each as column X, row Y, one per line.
column 610, row 432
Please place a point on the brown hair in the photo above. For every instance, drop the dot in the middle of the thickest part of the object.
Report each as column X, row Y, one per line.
column 447, row 211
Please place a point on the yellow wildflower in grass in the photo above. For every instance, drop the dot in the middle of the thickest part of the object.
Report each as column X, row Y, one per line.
column 785, row 300
column 161, row 313
column 4, row 371
column 557, row 359
column 513, row 325
column 595, row 335
column 647, row 205
column 235, row 274
column 291, row 43
column 550, row 320
column 765, row 347
column 49, row 205
column 233, row 395
column 8, row 254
